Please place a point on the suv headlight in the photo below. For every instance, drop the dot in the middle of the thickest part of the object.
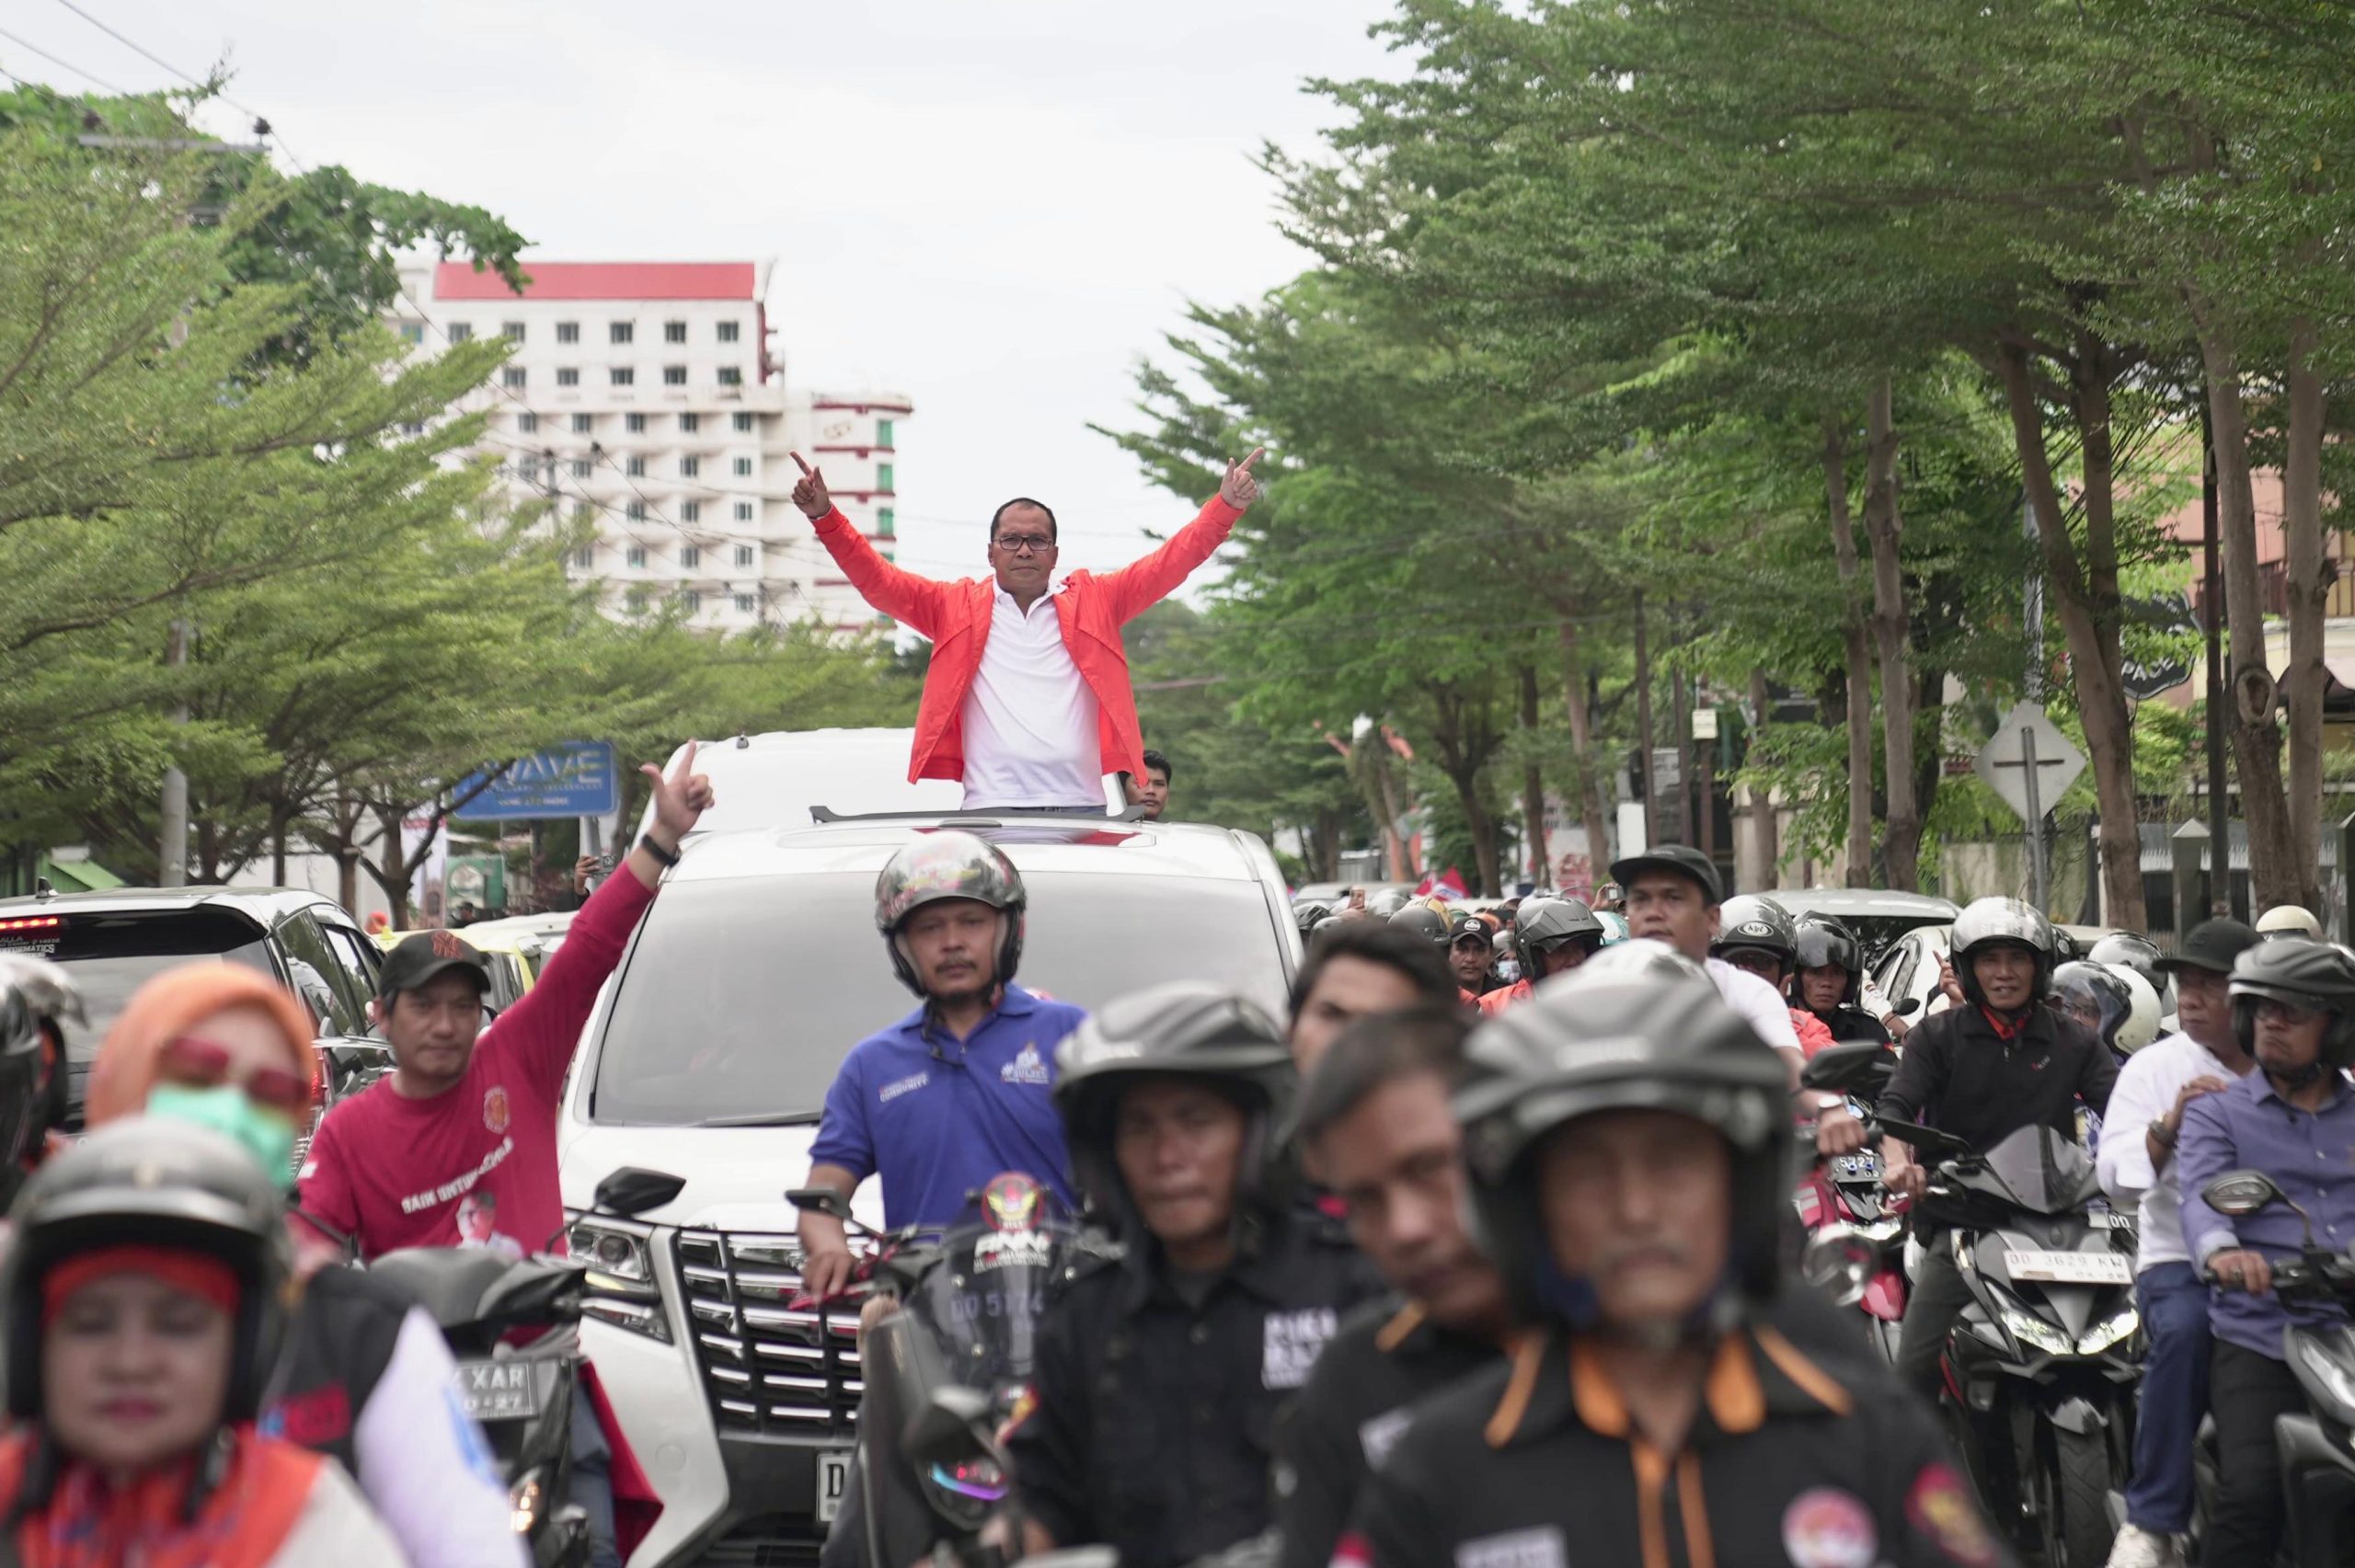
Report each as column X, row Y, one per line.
column 623, row 1288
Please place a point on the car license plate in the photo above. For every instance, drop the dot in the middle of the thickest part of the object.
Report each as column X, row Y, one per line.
column 1858, row 1166
column 2071, row 1268
column 833, row 1480
column 499, row 1390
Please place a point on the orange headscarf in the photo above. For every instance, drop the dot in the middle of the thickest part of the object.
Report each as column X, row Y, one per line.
column 162, row 1010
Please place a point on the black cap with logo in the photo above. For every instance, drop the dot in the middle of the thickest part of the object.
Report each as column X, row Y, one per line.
column 1465, row 927
column 1682, row 859
column 2212, row 945
column 416, row 959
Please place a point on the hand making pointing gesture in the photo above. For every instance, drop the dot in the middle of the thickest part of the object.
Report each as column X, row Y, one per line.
column 810, row 495
column 1239, row 489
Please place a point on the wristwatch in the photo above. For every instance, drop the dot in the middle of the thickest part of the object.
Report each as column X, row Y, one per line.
column 2163, row 1135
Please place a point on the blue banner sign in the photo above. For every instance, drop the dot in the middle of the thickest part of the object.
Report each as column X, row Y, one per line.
column 575, row 778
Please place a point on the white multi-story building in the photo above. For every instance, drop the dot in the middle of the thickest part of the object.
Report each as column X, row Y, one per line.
column 642, row 397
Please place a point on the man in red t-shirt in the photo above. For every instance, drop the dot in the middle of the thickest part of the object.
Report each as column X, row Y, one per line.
column 456, row 1145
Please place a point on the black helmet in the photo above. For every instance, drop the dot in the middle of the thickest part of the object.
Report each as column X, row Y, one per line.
column 2303, row 973
column 2097, row 998
column 1189, row 1029
column 1646, row 1031
column 1308, row 915
column 1822, row 943
column 1757, row 925
column 1423, row 921
column 950, row 865
column 1990, row 921
column 1546, row 924
column 2124, row 950
column 149, row 1181
column 37, row 998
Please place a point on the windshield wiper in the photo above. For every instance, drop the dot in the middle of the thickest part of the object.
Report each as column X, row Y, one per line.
column 766, row 1118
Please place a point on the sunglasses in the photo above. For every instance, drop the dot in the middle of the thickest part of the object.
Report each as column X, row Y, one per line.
column 200, row 1064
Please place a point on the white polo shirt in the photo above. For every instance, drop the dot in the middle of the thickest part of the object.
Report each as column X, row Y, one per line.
column 2146, row 1089
column 1760, row 1004
column 1030, row 720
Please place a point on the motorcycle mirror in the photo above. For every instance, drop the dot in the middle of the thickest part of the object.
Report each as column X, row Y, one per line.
column 951, row 1428
column 2237, row 1193
column 1839, row 1262
column 1843, row 1067
column 633, row 1189
column 1908, row 1008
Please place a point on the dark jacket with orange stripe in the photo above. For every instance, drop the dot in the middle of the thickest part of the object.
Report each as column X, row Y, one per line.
column 1791, row 1459
column 1383, row 1361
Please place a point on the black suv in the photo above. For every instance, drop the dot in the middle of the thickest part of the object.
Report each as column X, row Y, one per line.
column 114, row 941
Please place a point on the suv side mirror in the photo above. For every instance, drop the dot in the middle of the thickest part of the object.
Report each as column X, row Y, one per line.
column 633, row 1189
column 2237, row 1193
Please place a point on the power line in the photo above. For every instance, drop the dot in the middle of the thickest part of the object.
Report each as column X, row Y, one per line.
column 151, row 55
column 66, row 64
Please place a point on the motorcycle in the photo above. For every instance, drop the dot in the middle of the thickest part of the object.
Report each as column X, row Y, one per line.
column 1843, row 1197
column 2041, row 1366
column 523, row 1395
column 2317, row 1467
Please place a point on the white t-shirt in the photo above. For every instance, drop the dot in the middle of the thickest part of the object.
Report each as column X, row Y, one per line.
column 2146, row 1089
column 1030, row 720
column 1757, row 1001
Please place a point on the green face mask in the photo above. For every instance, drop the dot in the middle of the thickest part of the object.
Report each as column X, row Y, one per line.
column 266, row 1135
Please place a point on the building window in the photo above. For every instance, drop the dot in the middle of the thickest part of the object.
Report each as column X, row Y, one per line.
column 690, row 423
column 580, row 468
column 412, row 427
column 692, row 601
column 690, row 511
column 883, row 477
column 622, row 332
column 743, row 555
column 634, row 423
column 675, row 332
column 460, row 331
column 412, row 332
column 510, row 375
column 637, row 600
column 884, row 526
column 743, row 604
column 743, row 423
column 691, row 555
column 622, row 375
column 527, row 422
column 744, row 511
column 727, row 332
column 635, row 511
column 884, row 432
column 634, row 466
column 582, row 424
column 743, row 468
column 674, row 375
column 585, row 558
column 730, row 376
column 567, row 375
column 637, row 557
column 512, row 330
column 568, row 332
column 690, row 467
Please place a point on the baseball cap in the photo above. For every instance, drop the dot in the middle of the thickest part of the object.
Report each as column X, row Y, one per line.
column 416, row 959
column 1463, row 926
column 1682, row 859
column 2211, row 944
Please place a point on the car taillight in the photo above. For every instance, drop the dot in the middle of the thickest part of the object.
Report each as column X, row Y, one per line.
column 33, row 923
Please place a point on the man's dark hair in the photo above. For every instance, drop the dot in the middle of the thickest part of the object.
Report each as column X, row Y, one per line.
column 1159, row 759
column 1052, row 533
column 1377, row 1051
column 1422, row 961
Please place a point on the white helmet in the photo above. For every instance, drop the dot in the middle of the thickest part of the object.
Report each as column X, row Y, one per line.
column 2140, row 1024
column 2289, row 918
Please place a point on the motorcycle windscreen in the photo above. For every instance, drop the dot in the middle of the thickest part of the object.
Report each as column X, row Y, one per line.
column 982, row 1302
column 2043, row 1172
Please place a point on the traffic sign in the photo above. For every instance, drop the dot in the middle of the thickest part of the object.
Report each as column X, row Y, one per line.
column 2159, row 671
column 2029, row 763
column 573, row 778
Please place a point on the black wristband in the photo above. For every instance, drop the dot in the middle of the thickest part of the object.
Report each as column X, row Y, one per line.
column 668, row 857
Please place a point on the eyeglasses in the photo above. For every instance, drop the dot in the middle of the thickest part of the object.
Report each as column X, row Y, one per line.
column 202, row 1064
column 1025, row 543
column 2275, row 1011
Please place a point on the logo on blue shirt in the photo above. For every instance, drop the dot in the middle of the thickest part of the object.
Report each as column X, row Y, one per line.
column 1026, row 1067
column 893, row 1090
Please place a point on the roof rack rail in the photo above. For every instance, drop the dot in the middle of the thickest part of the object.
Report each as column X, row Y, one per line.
column 976, row 818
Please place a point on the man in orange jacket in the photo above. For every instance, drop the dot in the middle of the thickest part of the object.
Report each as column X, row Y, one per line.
column 1030, row 709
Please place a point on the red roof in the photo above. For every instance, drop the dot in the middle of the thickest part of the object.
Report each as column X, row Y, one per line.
column 600, row 281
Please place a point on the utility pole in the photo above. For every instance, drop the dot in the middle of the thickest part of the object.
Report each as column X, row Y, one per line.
column 2212, row 596
column 171, row 866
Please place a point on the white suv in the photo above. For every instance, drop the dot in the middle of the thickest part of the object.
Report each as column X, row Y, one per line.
column 708, row 1058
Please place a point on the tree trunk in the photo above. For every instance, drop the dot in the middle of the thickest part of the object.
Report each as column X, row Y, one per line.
column 2274, row 875
column 2310, row 575
column 1464, row 741
column 1892, row 632
column 1532, row 784
column 393, row 869
column 1644, row 723
column 277, row 854
column 2092, row 637
column 1759, row 869
column 1388, row 807
column 1856, row 641
column 1593, row 805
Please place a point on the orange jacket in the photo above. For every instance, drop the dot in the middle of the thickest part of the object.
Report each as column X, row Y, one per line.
column 956, row 616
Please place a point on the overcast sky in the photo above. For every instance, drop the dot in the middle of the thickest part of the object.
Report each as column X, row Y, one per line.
column 995, row 206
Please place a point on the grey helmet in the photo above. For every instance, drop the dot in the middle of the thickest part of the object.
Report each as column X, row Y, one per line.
column 2301, row 972
column 1544, row 924
column 1310, row 915
column 1988, row 922
column 1187, row 1029
column 1754, row 923
column 1826, row 944
column 950, row 865
column 149, row 1181
column 1648, row 1031
column 1423, row 921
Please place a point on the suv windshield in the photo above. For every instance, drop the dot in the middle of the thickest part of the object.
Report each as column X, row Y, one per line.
column 743, row 996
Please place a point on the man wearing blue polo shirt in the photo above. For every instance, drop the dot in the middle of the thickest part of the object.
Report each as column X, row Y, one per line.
column 960, row 1090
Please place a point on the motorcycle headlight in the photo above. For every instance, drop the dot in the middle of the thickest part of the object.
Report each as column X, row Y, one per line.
column 1882, row 1230
column 2109, row 1332
column 2035, row 1330
column 523, row 1503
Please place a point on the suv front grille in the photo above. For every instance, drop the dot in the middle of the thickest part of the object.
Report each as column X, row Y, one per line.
column 767, row 1368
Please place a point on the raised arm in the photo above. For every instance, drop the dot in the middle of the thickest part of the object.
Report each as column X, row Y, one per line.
column 902, row 595
column 1142, row 583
